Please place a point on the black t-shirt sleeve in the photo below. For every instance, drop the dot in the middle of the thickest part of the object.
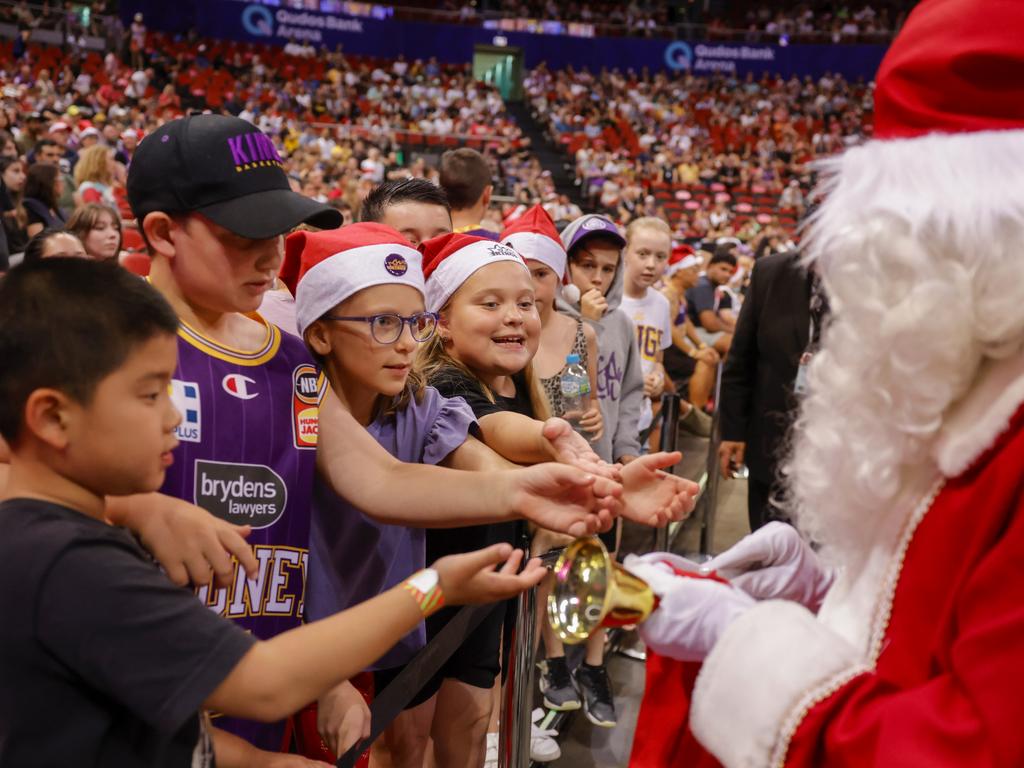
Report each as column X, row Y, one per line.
column 452, row 382
column 119, row 624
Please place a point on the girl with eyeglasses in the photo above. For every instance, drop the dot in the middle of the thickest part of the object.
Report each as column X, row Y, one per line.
column 359, row 306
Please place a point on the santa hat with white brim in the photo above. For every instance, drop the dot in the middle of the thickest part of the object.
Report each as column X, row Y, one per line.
column 322, row 269
column 533, row 235
column 450, row 260
column 683, row 257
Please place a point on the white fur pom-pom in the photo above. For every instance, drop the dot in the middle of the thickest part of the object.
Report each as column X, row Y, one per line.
column 571, row 293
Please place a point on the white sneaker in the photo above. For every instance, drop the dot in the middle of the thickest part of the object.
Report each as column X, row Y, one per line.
column 491, row 758
column 543, row 747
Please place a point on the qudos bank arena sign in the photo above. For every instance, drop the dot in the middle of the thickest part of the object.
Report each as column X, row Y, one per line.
column 715, row 57
column 261, row 21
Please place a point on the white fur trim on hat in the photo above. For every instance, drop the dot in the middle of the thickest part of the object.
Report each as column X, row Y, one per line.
column 457, row 268
column 337, row 277
column 538, row 247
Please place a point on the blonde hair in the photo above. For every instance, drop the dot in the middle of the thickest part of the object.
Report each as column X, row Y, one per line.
column 650, row 222
column 92, row 166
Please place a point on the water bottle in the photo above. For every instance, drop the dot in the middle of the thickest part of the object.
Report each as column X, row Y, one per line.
column 575, row 387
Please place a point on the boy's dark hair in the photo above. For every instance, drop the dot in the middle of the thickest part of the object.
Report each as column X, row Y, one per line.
column 42, row 144
column 464, row 176
column 37, row 244
column 68, row 323
column 724, row 253
column 412, row 190
column 40, row 184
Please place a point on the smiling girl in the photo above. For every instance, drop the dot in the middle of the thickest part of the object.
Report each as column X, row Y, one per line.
column 360, row 309
column 489, row 330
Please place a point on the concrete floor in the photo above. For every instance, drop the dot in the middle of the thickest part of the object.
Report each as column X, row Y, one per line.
column 583, row 745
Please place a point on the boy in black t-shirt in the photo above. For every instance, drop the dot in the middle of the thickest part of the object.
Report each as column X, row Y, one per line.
column 97, row 645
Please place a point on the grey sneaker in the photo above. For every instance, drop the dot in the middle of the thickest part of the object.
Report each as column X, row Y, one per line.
column 556, row 684
column 696, row 422
column 598, row 703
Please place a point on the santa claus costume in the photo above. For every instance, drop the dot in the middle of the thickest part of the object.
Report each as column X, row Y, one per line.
column 908, row 457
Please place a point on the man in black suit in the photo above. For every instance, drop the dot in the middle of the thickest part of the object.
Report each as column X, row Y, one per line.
column 777, row 327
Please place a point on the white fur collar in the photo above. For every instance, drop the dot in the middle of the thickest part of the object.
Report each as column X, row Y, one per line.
column 975, row 422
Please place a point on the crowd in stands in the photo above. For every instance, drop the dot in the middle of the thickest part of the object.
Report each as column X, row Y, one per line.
column 827, row 21
column 713, row 155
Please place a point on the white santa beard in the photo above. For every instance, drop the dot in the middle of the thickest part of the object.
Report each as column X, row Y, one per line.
column 920, row 244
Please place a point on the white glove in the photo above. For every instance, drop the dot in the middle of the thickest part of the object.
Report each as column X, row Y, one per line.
column 693, row 613
column 774, row 562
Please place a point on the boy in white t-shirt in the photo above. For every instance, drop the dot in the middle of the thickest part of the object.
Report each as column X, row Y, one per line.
column 648, row 246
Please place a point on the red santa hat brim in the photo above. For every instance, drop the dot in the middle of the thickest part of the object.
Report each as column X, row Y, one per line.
column 322, row 269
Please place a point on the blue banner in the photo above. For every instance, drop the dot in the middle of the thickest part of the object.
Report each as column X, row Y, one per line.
column 451, row 43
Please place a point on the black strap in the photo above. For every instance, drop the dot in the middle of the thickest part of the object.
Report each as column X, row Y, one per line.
column 417, row 673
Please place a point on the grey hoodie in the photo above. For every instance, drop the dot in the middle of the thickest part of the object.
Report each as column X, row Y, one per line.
column 620, row 382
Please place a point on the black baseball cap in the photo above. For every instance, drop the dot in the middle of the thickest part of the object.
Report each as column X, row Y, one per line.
column 224, row 168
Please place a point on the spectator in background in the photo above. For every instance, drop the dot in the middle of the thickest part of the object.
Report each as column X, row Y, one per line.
column 415, row 207
column 15, row 218
column 94, row 176
column 54, row 242
column 60, row 133
column 43, row 188
column 99, row 228
column 467, row 181
column 49, row 152
column 710, row 305
column 89, row 137
column 129, row 141
column 8, row 147
column 137, row 41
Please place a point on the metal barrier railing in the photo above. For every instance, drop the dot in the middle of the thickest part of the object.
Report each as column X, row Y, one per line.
column 517, row 699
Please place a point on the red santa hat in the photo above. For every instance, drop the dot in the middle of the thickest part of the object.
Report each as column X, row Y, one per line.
column 683, row 257
column 948, row 126
column 322, row 269
column 450, row 260
column 534, row 236
column 957, row 66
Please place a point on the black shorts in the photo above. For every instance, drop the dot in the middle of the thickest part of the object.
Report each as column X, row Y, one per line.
column 478, row 660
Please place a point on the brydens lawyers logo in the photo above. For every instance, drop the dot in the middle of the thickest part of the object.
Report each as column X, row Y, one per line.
column 185, row 397
column 237, row 385
column 245, row 494
column 396, row 265
column 309, row 388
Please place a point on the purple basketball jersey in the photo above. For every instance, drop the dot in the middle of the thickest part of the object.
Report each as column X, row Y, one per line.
column 247, row 454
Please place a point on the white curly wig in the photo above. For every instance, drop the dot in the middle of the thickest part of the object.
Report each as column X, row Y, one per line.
column 920, row 245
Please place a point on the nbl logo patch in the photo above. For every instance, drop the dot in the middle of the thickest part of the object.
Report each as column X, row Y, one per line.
column 185, row 397
column 308, row 387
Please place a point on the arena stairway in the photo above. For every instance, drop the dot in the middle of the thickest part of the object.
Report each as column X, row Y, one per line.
column 551, row 156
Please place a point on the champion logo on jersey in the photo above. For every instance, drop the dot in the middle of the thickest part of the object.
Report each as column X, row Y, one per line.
column 185, row 397
column 237, row 385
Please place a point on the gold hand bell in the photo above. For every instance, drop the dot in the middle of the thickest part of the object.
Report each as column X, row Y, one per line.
column 591, row 591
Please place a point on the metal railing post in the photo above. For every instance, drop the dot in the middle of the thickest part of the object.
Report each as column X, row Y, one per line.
column 516, row 704
column 710, row 498
column 669, row 440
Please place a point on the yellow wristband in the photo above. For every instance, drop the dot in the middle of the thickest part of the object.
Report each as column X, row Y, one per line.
column 425, row 588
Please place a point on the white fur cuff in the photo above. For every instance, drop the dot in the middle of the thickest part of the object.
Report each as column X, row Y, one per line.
column 756, row 677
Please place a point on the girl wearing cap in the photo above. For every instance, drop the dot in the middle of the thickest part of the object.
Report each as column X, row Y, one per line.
column 360, row 309
column 489, row 330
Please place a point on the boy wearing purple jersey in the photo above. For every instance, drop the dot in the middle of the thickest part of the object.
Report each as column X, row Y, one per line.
column 213, row 202
column 99, row 647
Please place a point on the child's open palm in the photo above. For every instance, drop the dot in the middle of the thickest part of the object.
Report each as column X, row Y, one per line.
column 653, row 497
